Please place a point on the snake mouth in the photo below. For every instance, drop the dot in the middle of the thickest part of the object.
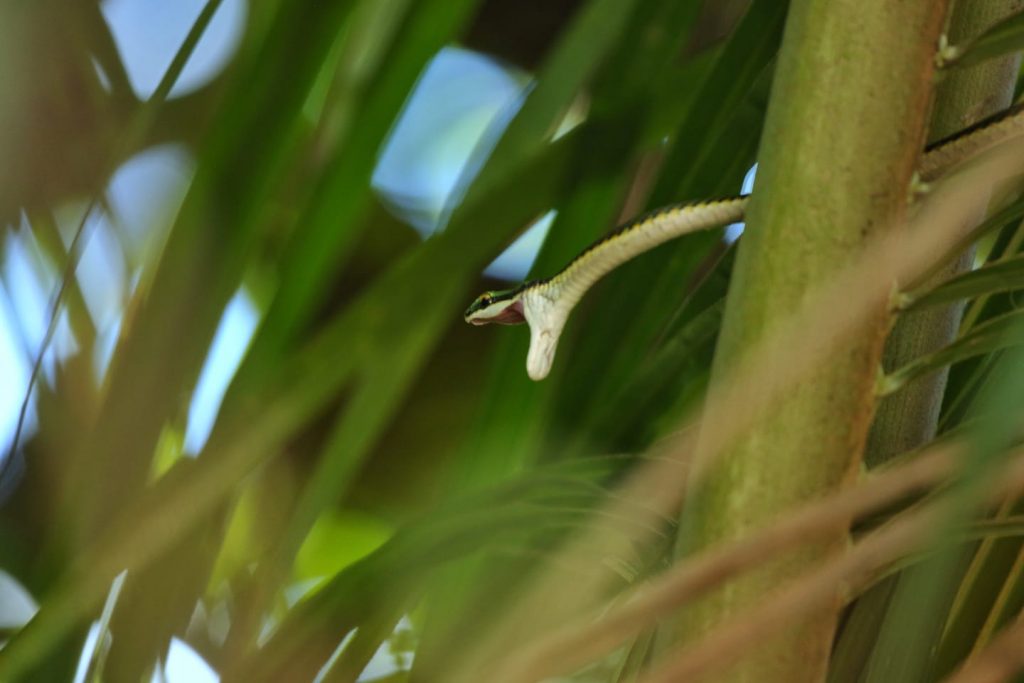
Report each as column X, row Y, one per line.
column 510, row 315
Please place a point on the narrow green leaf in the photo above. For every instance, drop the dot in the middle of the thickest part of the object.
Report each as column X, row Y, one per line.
column 1000, row 527
column 859, row 632
column 984, row 581
column 920, row 287
column 1001, row 276
column 636, row 407
column 963, row 394
column 997, row 333
column 1005, row 37
column 1013, row 211
column 966, row 379
column 585, row 44
column 44, row 228
column 1008, row 605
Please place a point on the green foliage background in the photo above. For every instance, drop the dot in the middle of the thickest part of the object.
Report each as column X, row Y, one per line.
column 371, row 440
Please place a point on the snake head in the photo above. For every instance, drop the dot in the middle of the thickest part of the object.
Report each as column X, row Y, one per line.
column 525, row 304
column 504, row 307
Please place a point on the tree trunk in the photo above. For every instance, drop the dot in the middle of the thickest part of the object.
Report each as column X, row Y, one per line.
column 842, row 135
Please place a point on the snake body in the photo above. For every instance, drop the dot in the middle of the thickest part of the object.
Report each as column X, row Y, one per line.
column 545, row 304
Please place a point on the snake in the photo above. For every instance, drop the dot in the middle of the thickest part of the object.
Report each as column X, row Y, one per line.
column 545, row 304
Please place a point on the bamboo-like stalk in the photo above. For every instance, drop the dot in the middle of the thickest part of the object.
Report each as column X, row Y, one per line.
column 908, row 419
column 842, row 135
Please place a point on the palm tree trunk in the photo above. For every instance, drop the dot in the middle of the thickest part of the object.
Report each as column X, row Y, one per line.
column 842, row 135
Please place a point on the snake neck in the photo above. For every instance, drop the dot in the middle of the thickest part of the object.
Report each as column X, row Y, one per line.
column 546, row 316
column 548, row 303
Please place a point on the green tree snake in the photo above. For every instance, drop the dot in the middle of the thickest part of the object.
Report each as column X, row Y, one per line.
column 545, row 305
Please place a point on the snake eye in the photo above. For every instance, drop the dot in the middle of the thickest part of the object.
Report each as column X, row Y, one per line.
column 486, row 300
